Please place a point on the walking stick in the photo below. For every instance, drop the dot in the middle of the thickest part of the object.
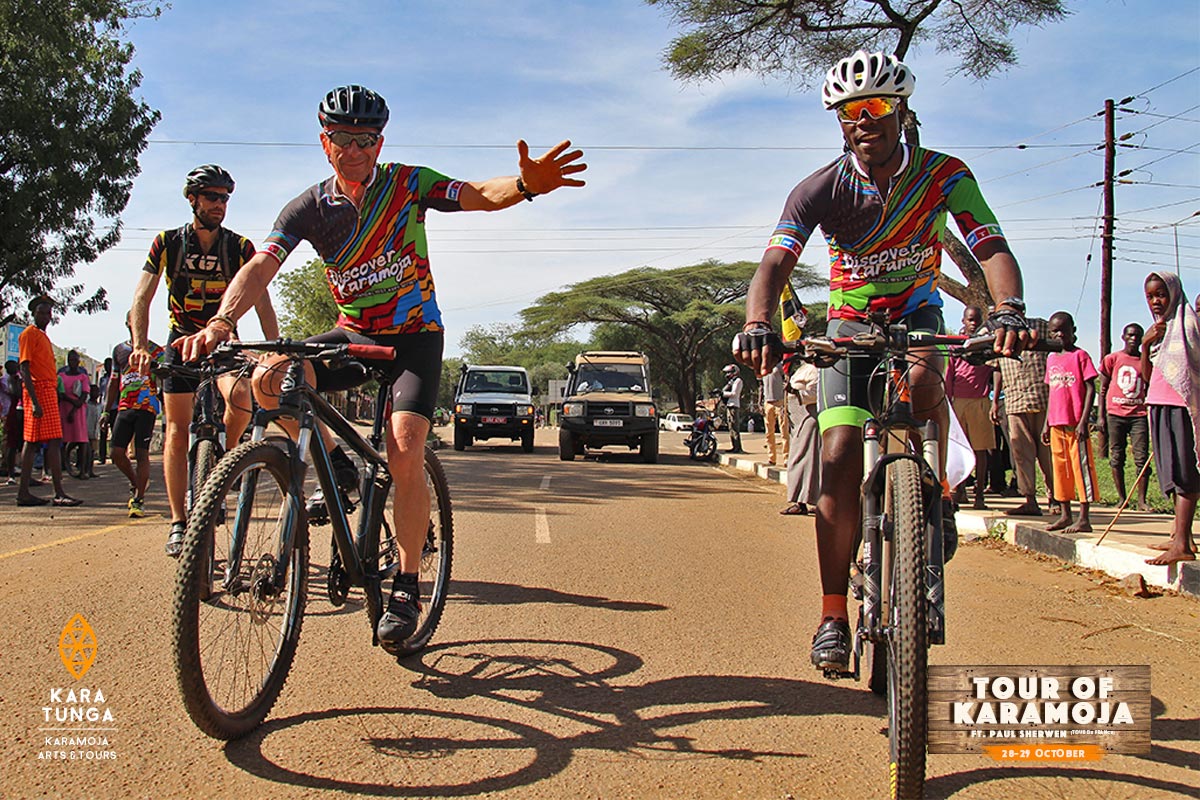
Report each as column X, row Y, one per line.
column 1128, row 497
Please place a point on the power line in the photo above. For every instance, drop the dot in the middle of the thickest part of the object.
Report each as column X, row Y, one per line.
column 1169, row 80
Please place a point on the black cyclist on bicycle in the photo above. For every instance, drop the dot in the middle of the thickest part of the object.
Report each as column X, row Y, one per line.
column 197, row 261
column 882, row 207
column 367, row 223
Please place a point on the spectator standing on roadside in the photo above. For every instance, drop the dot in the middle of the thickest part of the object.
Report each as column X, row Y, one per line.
column 93, row 430
column 804, row 463
column 775, row 412
column 14, row 437
column 73, row 390
column 105, row 377
column 968, row 386
column 43, row 426
column 1071, row 377
column 1026, row 398
column 731, row 396
column 1171, row 369
column 1125, row 402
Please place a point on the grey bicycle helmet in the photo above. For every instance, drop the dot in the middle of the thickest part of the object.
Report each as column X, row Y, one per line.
column 353, row 105
column 866, row 74
column 207, row 176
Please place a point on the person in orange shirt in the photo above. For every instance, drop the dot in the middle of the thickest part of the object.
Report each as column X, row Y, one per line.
column 42, row 423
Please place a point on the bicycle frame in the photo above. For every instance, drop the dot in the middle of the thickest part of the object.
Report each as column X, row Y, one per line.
column 359, row 553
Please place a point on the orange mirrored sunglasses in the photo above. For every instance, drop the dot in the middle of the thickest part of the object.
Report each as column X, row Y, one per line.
column 875, row 107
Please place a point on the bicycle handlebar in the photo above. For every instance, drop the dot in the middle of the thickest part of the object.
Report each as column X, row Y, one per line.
column 877, row 342
column 312, row 350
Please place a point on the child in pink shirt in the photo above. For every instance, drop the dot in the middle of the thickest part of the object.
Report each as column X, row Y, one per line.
column 1070, row 375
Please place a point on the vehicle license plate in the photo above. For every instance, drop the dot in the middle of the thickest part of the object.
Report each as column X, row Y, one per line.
column 495, row 420
column 609, row 423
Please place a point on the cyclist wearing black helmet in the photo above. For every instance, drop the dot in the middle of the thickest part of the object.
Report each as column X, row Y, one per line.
column 367, row 223
column 197, row 261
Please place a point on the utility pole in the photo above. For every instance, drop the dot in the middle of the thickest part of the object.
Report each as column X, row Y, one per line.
column 1106, row 262
column 1106, row 238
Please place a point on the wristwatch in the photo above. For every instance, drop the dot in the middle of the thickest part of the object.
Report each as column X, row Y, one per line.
column 1015, row 303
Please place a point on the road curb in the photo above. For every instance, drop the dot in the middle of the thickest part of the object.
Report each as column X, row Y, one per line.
column 1115, row 559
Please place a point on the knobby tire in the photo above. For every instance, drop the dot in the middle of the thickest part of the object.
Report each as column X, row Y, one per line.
column 908, row 647
column 200, row 667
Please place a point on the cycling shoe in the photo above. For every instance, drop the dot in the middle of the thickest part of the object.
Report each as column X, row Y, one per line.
column 400, row 620
column 175, row 539
column 831, row 645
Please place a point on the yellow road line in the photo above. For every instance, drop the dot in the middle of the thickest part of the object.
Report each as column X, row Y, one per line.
column 71, row 539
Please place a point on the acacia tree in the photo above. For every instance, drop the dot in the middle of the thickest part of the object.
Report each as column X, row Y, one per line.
column 679, row 317
column 69, row 144
column 801, row 39
column 306, row 306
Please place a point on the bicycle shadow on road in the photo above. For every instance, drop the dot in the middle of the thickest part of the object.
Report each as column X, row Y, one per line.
column 487, row 593
column 572, row 686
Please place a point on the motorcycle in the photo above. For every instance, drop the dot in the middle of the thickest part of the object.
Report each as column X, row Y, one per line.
column 702, row 443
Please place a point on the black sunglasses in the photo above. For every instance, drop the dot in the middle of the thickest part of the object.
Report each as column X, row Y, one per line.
column 215, row 197
column 344, row 138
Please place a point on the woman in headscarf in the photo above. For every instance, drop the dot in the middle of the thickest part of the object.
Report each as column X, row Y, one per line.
column 1171, row 369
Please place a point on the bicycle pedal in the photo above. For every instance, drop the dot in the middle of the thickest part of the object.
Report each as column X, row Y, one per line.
column 834, row 674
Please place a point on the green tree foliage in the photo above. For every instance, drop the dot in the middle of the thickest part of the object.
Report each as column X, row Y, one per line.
column 683, row 318
column 306, row 307
column 69, row 143
column 449, row 382
column 802, row 39
column 544, row 355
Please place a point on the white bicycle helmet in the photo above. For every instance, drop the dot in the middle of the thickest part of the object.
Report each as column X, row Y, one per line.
column 866, row 75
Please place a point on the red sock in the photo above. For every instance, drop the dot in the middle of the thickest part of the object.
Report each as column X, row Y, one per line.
column 834, row 605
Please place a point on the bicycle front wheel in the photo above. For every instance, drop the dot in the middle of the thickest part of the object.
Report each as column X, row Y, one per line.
column 907, row 638
column 436, row 556
column 234, row 647
column 204, row 461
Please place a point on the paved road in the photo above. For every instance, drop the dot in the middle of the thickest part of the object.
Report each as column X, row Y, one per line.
column 616, row 630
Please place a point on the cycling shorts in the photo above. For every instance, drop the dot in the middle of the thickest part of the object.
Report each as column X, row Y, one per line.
column 847, row 391
column 176, row 384
column 415, row 373
column 133, row 424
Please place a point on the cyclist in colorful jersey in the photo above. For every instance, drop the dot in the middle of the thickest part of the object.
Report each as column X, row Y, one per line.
column 367, row 222
column 133, row 405
column 197, row 261
column 882, row 207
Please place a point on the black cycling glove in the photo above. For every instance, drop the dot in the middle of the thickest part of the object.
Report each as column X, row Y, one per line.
column 1008, row 319
column 760, row 338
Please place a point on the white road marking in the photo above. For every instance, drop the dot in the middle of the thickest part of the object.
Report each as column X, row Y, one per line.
column 542, row 526
column 545, row 483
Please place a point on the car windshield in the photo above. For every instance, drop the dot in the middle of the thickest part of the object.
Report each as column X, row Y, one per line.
column 610, row 378
column 497, row 382
column 683, row 418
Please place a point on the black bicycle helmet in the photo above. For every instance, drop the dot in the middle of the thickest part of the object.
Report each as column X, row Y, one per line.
column 353, row 105
column 207, row 176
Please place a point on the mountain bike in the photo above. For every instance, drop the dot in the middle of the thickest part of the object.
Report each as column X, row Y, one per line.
column 234, row 648
column 899, row 578
column 206, row 432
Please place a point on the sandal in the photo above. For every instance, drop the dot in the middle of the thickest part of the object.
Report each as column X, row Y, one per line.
column 66, row 500
column 795, row 509
column 32, row 500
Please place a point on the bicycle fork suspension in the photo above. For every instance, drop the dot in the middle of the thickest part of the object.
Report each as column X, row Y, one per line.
column 874, row 597
column 935, row 581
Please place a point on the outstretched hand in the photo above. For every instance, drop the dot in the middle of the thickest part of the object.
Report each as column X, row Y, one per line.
column 549, row 171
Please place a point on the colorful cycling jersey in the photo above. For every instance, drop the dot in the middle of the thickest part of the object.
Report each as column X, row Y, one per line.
column 885, row 255
column 196, row 280
column 376, row 257
column 137, row 391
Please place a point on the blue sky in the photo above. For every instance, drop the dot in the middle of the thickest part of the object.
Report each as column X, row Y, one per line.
column 678, row 173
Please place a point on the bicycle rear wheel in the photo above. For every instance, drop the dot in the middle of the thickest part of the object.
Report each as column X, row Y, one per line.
column 233, row 649
column 907, row 639
column 436, row 556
